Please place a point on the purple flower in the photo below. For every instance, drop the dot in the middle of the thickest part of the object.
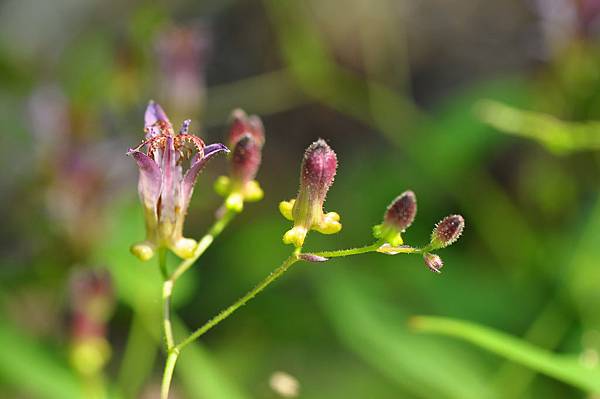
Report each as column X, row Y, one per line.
column 246, row 139
column 317, row 172
column 166, row 185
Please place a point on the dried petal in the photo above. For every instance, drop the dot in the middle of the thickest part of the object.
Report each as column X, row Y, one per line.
column 433, row 262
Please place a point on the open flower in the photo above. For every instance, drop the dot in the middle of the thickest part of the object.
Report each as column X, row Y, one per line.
column 246, row 139
column 318, row 169
column 165, row 190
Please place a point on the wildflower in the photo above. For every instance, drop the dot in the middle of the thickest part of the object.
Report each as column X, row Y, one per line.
column 164, row 189
column 433, row 262
column 306, row 211
column 246, row 138
column 398, row 217
column 447, row 231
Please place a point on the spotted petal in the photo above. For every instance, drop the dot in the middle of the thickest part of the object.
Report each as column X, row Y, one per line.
column 189, row 180
column 171, row 177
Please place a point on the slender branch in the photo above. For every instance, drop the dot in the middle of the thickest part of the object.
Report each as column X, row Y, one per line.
column 204, row 243
column 168, row 373
column 169, row 283
column 351, row 251
column 275, row 274
column 166, row 297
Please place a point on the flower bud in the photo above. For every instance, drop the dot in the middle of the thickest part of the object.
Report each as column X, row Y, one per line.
column 318, row 170
column 447, row 231
column 433, row 262
column 246, row 138
column 398, row 217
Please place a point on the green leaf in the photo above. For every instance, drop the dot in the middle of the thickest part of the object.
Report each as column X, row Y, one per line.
column 565, row 368
column 34, row 369
column 376, row 331
column 556, row 135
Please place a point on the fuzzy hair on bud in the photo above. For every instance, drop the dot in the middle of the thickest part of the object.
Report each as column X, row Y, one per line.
column 318, row 170
column 433, row 262
column 245, row 159
column 447, row 231
column 402, row 211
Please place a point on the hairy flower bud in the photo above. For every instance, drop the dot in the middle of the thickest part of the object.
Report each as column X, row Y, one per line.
column 433, row 262
column 447, row 231
column 398, row 217
column 246, row 138
column 317, row 172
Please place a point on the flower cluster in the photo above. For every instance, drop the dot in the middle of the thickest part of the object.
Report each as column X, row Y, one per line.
column 318, row 170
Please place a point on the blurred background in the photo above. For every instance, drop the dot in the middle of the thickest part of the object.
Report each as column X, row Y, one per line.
column 487, row 109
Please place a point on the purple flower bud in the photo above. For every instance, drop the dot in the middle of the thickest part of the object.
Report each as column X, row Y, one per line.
column 92, row 301
column 318, row 170
column 433, row 262
column 447, row 231
column 402, row 211
column 242, row 124
column 245, row 160
column 246, row 138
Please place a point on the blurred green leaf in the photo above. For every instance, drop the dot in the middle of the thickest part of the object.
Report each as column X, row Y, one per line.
column 566, row 368
column 377, row 333
column 558, row 136
column 201, row 375
column 33, row 368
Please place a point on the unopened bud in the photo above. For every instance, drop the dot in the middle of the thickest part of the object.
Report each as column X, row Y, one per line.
column 245, row 159
column 433, row 262
column 246, row 138
column 318, row 170
column 398, row 217
column 447, row 231
column 402, row 211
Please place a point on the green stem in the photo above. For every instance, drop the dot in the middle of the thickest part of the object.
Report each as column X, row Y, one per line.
column 351, row 251
column 204, row 243
column 275, row 274
column 166, row 297
column 168, row 373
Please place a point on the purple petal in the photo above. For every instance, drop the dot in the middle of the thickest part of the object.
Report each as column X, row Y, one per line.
column 171, row 178
column 150, row 179
column 189, row 180
column 154, row 113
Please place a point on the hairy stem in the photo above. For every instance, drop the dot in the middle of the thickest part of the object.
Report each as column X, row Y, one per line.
column 275, row 274
column 351, row 251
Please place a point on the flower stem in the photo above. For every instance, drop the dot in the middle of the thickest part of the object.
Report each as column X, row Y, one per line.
column 351, row 251
column 168, row 373
column 169, row 283
column 204, row 243
column 275, row 274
